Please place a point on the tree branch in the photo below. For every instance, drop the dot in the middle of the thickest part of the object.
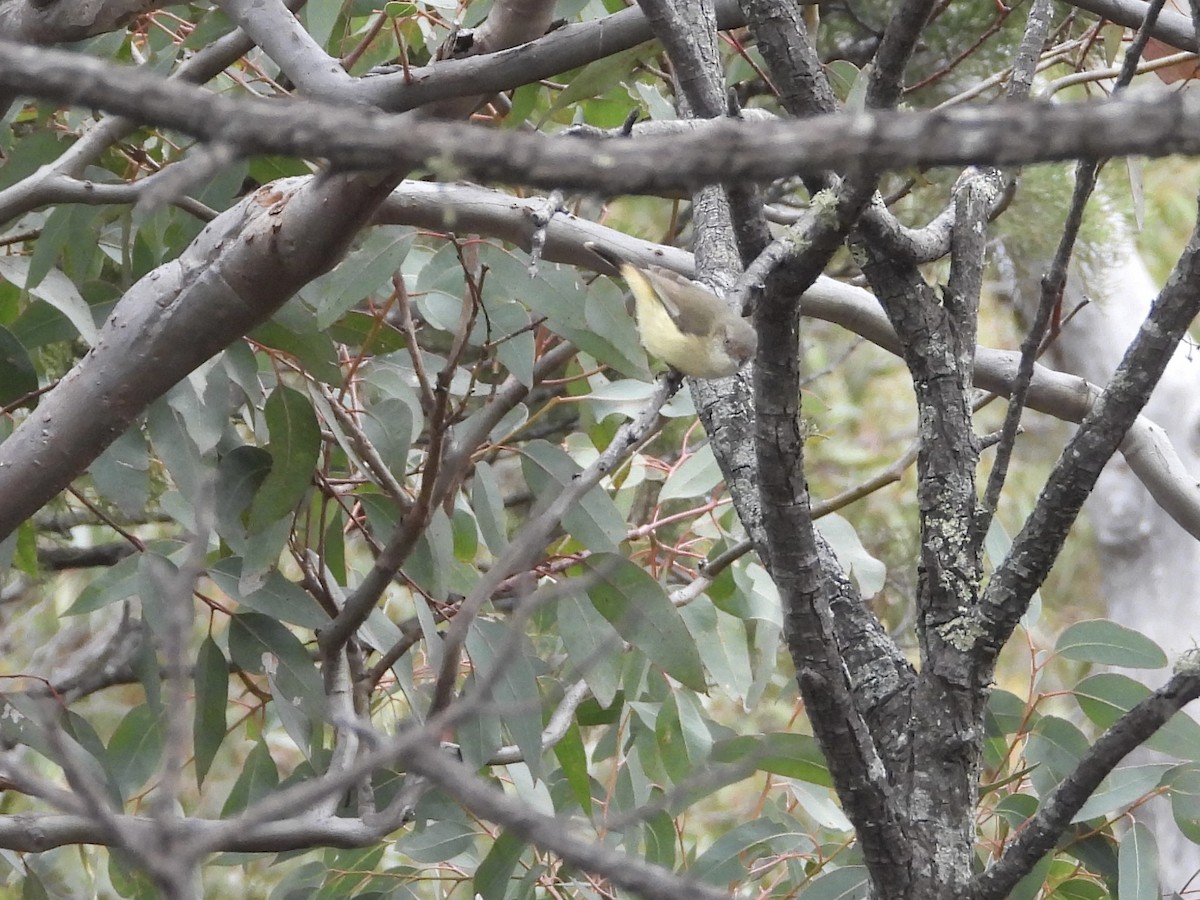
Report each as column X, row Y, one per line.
column 1102, row 431
column 1011, row 134
column 1039, row 834
column 481, row 798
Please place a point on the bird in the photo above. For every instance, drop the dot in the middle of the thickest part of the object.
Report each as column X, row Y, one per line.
column 683, row 322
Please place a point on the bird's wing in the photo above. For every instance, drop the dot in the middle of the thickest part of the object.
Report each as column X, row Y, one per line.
column 700, row 313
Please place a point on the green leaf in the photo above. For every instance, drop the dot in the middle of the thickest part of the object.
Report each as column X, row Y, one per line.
column 277, row 597
column 1095, row 849
column 1030, row 887
column 667, row 748
column 1075, row 888
column 506, row 327
column 57, row 290
column 594, row 520
column 32, row 887
column 116, row 583
column 388, row 425
column 298, row 708
column 846, row 883
column 50, row 243
column 601, row 327
column 1055, row 747
column 135, row 750
column 1137, row 865
column 1106, row 697
column 593, row 646
column 367, row 331
column 348, row 873
column 843, row 75
column 293, row 331
column 240, row 474
column 782, row 753
column 438, row 842
column 494, row 875
column 18, row 377
column 364, row 271
column 295, row 444
column 508, row 671
column 170, row 437
column 1121, row 788
column 1016, row 809
column 257, row 779
column 721, row 640
column 321, row 18
column 637, row 607
column 432, row 560
column 597, row 78
column 488, row 503
column 1183, row 787
column 694, row 725
column 122, row 472
column 259, row 643
column 869, row 573
column 696, row 476
column 1107, row 643
column 1007, row 713
column 251, row 635
column 660, row 839
column 573, row 761
column 722, row 863
column 211, row 678
column 128, row 879
column 996, row 546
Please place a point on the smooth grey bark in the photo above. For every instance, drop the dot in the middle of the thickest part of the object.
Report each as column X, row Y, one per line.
column 1149, row 566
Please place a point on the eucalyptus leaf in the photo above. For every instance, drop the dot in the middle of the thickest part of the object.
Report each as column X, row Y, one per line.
column 295, row 443
column 211, row 680
column 637, row 607
column 1107, row 643
column 1137, row 865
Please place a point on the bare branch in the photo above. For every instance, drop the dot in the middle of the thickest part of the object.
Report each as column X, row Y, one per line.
column 1012, row 134
column 271, row 25
column 1103, row 429
column 67, row 20
column 1146, row 447
column 483, row 799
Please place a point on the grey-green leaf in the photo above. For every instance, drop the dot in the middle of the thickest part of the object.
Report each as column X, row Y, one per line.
column 1107, row 643
column 211, row 679
column 1137, row 865
column 295, row 443
column 595, row 520
column 637, row 607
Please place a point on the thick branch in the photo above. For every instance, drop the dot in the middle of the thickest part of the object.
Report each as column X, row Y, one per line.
column 1012, row 134
column 240, row 269
column 1172, row 27
column 67, row 20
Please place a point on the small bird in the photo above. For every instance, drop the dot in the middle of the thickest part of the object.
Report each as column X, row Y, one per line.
column 683, row 323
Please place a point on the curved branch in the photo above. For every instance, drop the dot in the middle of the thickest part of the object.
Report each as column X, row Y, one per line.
column 1146, row 447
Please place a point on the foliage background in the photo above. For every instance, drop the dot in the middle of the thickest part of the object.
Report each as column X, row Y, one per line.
column 271, row 441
